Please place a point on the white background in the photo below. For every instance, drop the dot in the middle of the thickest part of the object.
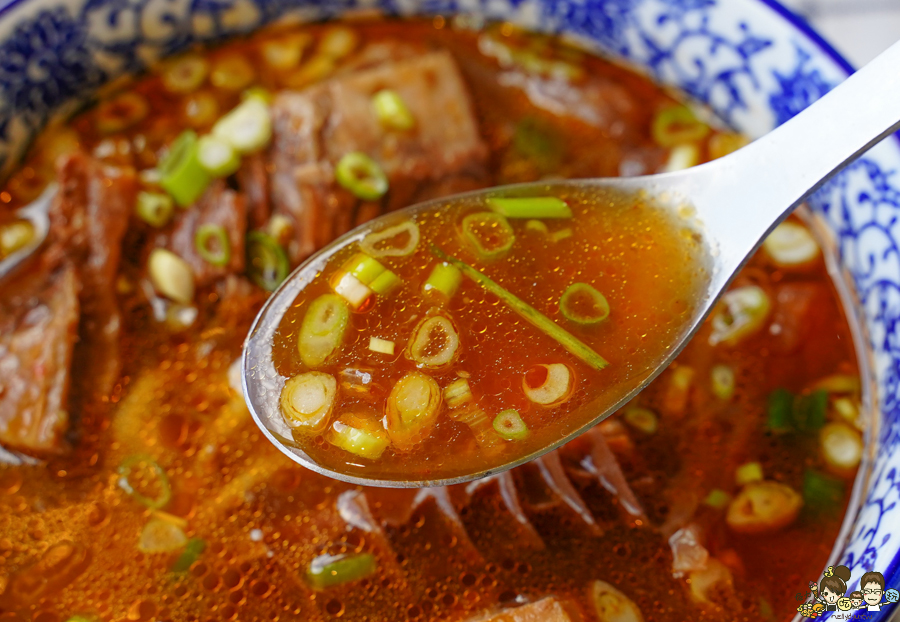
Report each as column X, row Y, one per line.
column 859, row 29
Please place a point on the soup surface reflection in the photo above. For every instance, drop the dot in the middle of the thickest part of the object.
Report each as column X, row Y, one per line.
column 138, row 486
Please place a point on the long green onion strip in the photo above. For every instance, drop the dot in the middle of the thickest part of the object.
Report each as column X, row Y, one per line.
column 213, row 245
column 489, row 234
column 329, row 570
column 362, row 176
column 181, row 174
column 154, row 208
column 529, row 313
column 267, row 263
column 583, row 304
column 387, row 243
column 529, row 207
column 127, row 472
column 510, row 426
column 192, row 551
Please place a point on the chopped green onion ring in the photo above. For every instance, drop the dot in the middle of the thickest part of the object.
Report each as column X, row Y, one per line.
column 434, row 343
column 642, row 419
column 488, row 233
column 330, row 570
column 213, row 244
column 722, row 381
column 322, row 330
column 562, row 234
column 15, row 235
column 537, row 226
column 412, row 408
column 822, row 492
column 529, row 207
column 362, row 176
column 192, row 551
column 444, row 279
column 307, row 400
column 247, row 128
column 359, row 435
column 217, row 156
column 748, row 473
column 583, row 304
column 392, row 111
column 510, row 426
column 370, row 243
column 780, row 411
column 267, row 263
column 154, row 208
column 165, row 490
column 385, row 282
column 529, row 313
column 717, row 498
column 181, row 174
column 370, row 273
column 363, row 268
column 677, row 125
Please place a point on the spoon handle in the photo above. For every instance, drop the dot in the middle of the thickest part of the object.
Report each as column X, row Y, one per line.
column 747, row 193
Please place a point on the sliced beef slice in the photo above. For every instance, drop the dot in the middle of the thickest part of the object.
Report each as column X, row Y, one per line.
column 315, row 128
column 219, row 206
column 88, row 222
column 38, row 324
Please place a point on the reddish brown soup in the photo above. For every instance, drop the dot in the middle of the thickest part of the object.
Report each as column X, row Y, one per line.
column 152, row 494
column 646, row 266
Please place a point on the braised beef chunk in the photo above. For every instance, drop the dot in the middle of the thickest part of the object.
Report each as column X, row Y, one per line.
column 314, row 128
column 38, row 323
column 221, row 207
column 253, row 180
column 88, row 221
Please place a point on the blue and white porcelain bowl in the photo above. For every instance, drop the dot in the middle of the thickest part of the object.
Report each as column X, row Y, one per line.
column 753, row 62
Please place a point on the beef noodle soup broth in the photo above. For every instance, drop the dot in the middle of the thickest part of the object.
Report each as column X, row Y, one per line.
column 137, row 484
column 461, row 383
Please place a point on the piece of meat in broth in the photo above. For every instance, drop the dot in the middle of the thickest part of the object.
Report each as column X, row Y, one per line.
column 218, row 206
column 315, row 128
column 253, row 181
column 88, row 221
column 38, row 324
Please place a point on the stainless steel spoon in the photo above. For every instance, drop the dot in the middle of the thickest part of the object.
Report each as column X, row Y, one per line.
column 737, row 201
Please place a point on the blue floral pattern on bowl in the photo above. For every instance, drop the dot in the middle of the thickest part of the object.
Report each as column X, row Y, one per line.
column 750, row 60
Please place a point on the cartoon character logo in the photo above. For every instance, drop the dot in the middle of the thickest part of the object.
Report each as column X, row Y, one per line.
column 830, row 594
column 833, row 586
column 872, row 586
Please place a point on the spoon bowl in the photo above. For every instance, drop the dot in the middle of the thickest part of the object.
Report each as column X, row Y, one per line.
column 732, row 203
